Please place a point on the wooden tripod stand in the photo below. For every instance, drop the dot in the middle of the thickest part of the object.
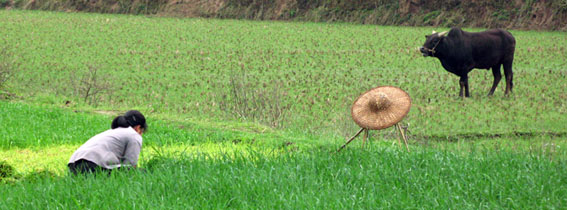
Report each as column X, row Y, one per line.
column 365, row 137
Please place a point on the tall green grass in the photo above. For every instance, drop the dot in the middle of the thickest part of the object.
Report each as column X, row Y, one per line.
column 373, row 178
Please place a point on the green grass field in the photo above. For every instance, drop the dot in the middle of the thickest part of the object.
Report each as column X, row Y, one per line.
column 247, row 114
column 288, row 75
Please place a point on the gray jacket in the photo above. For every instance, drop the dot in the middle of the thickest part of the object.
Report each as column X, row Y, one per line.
column 111, row 149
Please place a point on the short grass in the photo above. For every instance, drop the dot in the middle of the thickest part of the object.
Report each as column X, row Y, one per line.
column 27, row 126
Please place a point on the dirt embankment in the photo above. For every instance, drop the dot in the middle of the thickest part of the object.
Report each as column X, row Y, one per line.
column 517, row 14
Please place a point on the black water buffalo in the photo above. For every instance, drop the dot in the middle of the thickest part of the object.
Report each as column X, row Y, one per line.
column 460, row 52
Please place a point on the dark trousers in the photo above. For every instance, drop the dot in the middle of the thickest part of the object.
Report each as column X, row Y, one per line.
column 83, row 166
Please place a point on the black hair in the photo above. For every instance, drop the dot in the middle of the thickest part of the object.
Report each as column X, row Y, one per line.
column 130, row 118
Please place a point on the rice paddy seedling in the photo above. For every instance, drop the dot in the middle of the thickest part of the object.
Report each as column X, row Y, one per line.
column 185, row 66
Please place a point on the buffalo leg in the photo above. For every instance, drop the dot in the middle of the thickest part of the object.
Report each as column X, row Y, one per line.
column 497, row 76
column 461, row 85
column 509, row 76
column 464, row 82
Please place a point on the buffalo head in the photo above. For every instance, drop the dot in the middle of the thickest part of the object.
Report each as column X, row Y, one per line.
column 431, row 43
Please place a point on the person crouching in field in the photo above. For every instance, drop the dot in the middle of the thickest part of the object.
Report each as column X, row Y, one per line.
column 116, row 148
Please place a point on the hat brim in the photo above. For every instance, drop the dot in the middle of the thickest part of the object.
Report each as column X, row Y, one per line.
column 366, row 117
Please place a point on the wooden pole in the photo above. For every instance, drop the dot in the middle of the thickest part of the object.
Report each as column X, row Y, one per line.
column 403, row 136
column 364, row 137
column 368, row 136
column 399, row 141
column 352, row 138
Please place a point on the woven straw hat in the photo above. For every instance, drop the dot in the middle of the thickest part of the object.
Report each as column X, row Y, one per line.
column 380, row 107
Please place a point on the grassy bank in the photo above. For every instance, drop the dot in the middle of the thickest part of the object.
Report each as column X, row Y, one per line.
column 525, row 14
column 26, row 126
